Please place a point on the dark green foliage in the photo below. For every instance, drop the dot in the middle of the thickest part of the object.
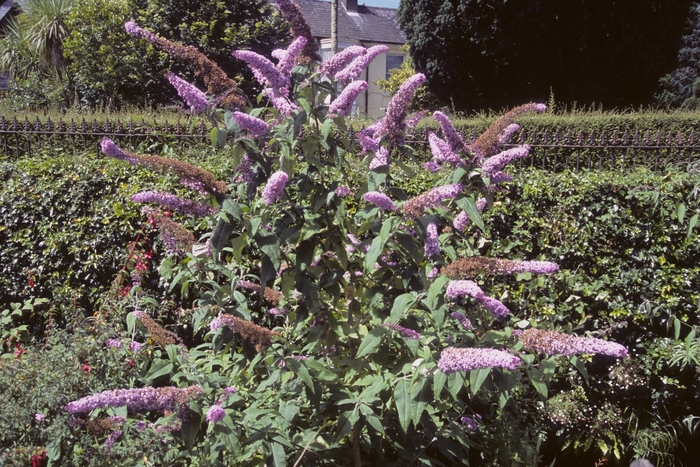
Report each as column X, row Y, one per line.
column 677, row 86
column 629, row 269
column 67, row 223
column 107, row 67
column 479, row 54
column 216, row 28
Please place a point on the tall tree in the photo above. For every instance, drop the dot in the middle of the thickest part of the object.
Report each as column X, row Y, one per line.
column 676, row 87
column 493, row 53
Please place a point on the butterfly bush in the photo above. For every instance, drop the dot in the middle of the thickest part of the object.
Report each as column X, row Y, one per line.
column 195, row 98
column 343, row 103
column 300, row 281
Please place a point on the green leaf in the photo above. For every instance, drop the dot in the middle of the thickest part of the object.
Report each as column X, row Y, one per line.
column 190, row 430
column 472, row 211
column 278, row 455
column 159, row 368
column 53, row 449
column 372, row 418
column 221, row 234
column 680, row 212
column 538, row 382
column 439, row 380
column 301, row 371
column 402, row 304
column 378, row 243
column 477, row 378
column 676, row 328
column 402, row 399
column 455, row 383
column 326, row 129
column 580, row 366
column 420, row 396
column 269, row 244
column 692, row 223
column 370, row 342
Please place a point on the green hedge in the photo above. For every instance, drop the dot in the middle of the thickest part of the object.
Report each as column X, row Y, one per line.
column 66, row 222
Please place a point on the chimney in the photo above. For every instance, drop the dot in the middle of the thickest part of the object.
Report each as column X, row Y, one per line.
column 351, row 5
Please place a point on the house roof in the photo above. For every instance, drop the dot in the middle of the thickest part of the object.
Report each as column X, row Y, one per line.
column 368, row 24
column 5, row 8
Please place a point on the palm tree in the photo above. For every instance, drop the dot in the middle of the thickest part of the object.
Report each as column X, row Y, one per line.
column 33, row 42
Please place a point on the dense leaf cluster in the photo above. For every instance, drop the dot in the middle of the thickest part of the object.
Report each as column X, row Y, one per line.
column 479, row 54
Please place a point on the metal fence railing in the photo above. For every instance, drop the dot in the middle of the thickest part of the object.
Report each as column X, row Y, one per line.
column 554, row 151
column 557, row 151
column 24, row 137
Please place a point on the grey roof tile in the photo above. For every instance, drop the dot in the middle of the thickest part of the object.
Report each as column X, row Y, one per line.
column 369, row 24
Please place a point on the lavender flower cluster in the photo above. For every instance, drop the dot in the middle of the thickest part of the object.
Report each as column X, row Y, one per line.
column 415, row 207
column 380, row 159
column 453, row 359
column 405, row 332
column 394, row 122
column 343, row 103
column 255, row 126
column 287, row 58
column 553, row 342
column 137, row 400
column 359, row 63
column 431, row 240
column 463, row 288
column 195, row 98
column 183, row 206
column 275, row 187
column 380, row 200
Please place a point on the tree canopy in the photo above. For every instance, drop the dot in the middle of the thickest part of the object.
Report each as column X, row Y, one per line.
column 495, row 53
column 677, row 87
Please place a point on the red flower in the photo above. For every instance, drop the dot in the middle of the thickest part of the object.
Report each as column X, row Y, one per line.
column 38, row 459
column 86, row 368
column 19, row 350
column 31, row 282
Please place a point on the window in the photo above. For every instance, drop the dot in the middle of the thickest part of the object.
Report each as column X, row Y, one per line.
column 393, row 61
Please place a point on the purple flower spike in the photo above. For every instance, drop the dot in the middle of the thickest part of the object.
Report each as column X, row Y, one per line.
column 380, row 159
column 195, row 98
column 463, row 288
column 453, row 138
column 394, row 122
column 112, row 150
column 184, row 206
column 454, row 359
column 343, row 103
column 431, row 240
column 249, row 123
column 275, row 187
column 340, row 60
column 137, row 400
column 463, row 320
column 442, row 152
column 536, row 267
column 263, row 69
column 431, row 166
column 216, row 413
column 496, row 163
column 496, row 308
column 405, row 332
column 287, row 60
column 507, row 133
column 353, row 70
column 280, row 102
column 380, row 200
column 553, row 342
column 137, row 31
column 343, row 191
